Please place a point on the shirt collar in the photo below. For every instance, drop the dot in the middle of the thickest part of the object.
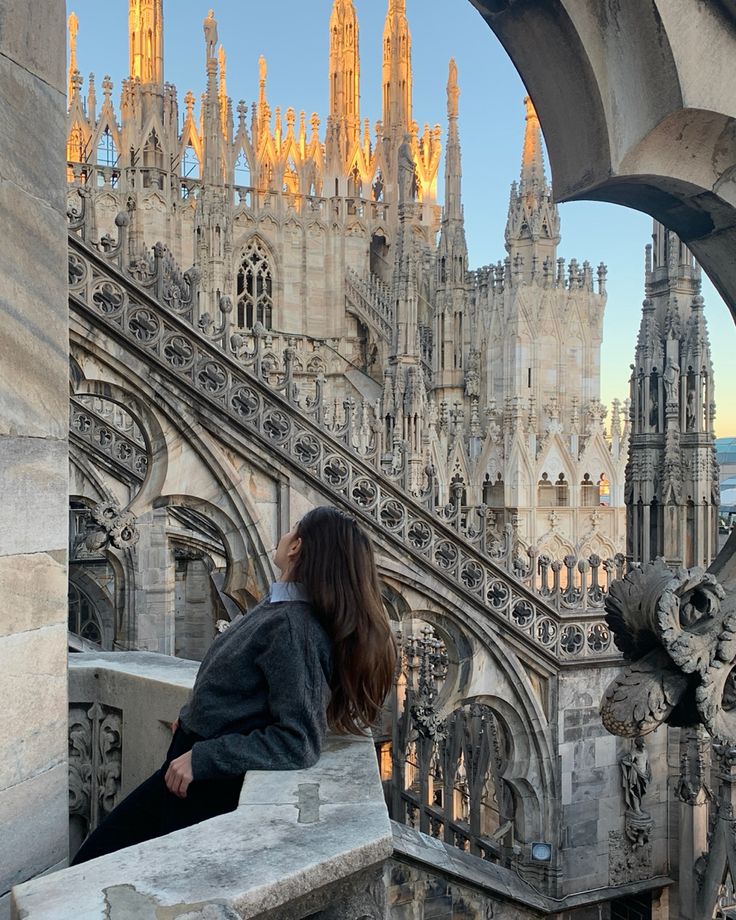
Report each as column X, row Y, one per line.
column 282, row 591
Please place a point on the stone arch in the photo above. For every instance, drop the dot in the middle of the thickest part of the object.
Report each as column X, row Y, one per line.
column 633, row 154
column 85, row 584
column 241, row 579
column 149, row 426
column 534, row 779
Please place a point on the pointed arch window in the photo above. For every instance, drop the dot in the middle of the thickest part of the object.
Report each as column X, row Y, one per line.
column 107, row 153
column 242, row 170
column 255, row 287
column 84, row 619
column 189, row 163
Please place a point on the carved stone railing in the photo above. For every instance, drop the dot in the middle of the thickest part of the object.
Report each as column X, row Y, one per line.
column 304, row 841
column 370, row 300
column 344, row 462
column 577, row 583
column 102, row 436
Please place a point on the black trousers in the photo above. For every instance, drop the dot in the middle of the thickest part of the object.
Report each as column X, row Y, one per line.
column 152, row 811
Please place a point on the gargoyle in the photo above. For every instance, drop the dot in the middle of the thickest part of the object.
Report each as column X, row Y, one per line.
column 678, row 630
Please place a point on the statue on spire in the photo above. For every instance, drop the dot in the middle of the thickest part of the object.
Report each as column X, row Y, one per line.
column 73, row 26
column 532, row 164
column 210, row 34
column 407, row 170
column 453, row 91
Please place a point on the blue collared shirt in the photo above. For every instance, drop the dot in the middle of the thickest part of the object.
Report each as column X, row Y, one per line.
column 283, row 591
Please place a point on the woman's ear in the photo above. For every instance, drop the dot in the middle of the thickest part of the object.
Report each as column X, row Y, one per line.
column 295, row 547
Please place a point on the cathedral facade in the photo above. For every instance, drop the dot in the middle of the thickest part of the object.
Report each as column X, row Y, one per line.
column 328, row 246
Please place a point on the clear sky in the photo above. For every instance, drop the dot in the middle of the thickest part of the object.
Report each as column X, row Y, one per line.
column 293, row 36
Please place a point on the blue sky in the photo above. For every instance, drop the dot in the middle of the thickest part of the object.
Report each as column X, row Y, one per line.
column 292, row 34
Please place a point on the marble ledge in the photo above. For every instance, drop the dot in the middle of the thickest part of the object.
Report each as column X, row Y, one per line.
column 294, row 834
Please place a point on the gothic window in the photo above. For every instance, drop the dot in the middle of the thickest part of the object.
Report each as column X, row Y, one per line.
column 604, row 491
column 291, row 177
column 255, row 287
column 589, row 492
column 562, row 492
column 107, row 154
column 84, row 620
column 189, row 164
column 545, row 492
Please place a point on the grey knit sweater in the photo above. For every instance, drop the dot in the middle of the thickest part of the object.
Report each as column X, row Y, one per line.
column 261, row 694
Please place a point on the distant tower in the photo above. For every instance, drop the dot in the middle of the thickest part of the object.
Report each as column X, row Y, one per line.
column 451, row 333
column 397, row 89
column 533, row 225
column 345, row 74
column 146, row 31
column 672, row 475
column 550, row 355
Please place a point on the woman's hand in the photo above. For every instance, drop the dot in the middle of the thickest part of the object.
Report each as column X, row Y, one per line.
column 174, row 725
column 179, row 775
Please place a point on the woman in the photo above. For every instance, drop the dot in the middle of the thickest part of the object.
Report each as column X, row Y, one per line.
column 317, row 653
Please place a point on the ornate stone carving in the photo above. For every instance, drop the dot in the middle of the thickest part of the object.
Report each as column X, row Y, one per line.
column 111, row 526
column 681, row 640
column 95, row 755
column 627, row 863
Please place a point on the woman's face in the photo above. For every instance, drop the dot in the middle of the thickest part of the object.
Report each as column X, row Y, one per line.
column 287, row 551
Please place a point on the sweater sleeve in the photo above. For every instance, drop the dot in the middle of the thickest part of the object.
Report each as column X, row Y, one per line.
column 298, row 694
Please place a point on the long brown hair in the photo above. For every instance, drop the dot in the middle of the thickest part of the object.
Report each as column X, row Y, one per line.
column 338, row 570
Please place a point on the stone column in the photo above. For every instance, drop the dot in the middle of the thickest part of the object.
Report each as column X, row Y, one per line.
column 33, row 442
column 155, row 608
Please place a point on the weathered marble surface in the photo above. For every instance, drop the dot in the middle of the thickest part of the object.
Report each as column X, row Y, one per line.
column 294, row 834
column 33, row 442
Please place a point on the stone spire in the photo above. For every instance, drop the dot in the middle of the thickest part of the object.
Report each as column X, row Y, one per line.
column 451, row 332
column 264, row 111
column 672, row 478
column 212, row 112
column 73, row 26
column 453, row 167
column 533, row 225
column 397, row 88
column 146, row 34
column 345, row 74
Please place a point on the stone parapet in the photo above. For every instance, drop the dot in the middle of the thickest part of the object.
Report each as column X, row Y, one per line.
column 300, row 842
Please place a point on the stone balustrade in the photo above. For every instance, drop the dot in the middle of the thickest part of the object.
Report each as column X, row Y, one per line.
column 300, row 843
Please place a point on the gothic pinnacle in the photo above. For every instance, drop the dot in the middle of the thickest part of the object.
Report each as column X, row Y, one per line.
column 532, row 161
